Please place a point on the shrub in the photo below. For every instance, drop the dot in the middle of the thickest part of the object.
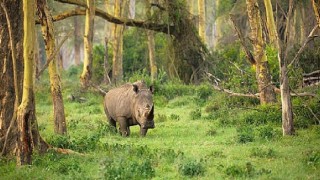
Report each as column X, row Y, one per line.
column 175, row 117
column 264, row 114
column 247, row 171
column 195, row 114
column 204, row 91
column 267, row 132
column 192, row 168
column 262, row 152
column 161, row 118
column 245, row 134
column 312, row 157
column 211, row 132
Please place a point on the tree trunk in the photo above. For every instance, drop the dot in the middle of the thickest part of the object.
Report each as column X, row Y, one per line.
column 106, row 62
column 117, row 69
column 88, row 38
column 202, row 20
column 151, row 46
column 55, row 83
column 28, row 134
column 77, row 40
column 286, row 104
column 132, row 9
column 272, row 30
column 11, row 68
column 191, row 6
column 267, row 94
column 152, row 56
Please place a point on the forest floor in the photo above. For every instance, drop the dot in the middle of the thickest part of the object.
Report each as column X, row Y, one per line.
column 201, row 135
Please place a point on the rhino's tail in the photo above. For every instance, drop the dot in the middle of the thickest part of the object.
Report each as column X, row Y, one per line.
column 101, row 91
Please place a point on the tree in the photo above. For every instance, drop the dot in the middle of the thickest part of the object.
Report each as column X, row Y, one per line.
column 267, row 94
column 77, row 40
column 117, row 35
column 272, row 30
column 11, row 65
column 88, row 38
column 45, row 17
column 28, row 134
column 189, row 50
column 202, row 20
column 151, row 47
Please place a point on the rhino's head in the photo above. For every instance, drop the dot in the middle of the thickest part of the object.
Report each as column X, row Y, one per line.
column 143, row 106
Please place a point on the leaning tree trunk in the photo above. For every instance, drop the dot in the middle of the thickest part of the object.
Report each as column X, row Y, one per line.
column 11, row 68
column 267, row 94
column 45, row 17
column 28, row 134
column 88, row 38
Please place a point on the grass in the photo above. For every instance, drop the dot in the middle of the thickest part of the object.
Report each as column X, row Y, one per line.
column 192, row 140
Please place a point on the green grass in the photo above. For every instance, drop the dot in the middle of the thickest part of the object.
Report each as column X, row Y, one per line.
column 191, row 140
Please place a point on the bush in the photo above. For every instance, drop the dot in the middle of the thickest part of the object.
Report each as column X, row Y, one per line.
column 195, row 114
column 262, row 152
column 264, row 114
column 247, row 170
column 303, row 112
column 174, row 117
column 312, row 157
column 161, row 118
column 267, row 132
column 192, row 168
column 245, row 134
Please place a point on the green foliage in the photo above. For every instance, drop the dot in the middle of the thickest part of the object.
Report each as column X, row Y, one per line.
column 262, row 152
column 212, row 131
column 305, row 112
column 245, row 134
column 174, row 117
column 225, row 7
column 268, row 132
column 195, row 114
column 98, row 64
column 312, row 157
column 264, row 114
column 244, row 171
column 128, row 162
column 192, row 168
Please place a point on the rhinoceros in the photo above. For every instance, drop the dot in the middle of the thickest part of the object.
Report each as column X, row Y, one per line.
column 129, row 105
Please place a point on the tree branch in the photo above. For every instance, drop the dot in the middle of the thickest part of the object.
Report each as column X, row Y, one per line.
column 309, row 38
column 128, row 22
column 53, row 55
column 242, row 41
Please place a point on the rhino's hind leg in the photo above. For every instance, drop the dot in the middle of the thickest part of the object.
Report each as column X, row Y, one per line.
column 124, row 128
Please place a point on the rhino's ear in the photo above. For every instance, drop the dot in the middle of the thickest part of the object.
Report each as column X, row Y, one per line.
column 151, row 89
column 135, row 88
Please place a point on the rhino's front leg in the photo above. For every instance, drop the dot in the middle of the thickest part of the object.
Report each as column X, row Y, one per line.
column 124, row 128
column 143, row 131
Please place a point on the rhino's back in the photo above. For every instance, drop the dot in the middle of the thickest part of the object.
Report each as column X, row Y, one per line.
column 118, row 101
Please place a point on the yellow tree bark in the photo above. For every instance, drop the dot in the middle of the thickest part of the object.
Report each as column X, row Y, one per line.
column 267, row 94
column 88, row 38
column 117, row 67
column 272, row 30
column 47, row 28
column 151, row 47
column 202, row 20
